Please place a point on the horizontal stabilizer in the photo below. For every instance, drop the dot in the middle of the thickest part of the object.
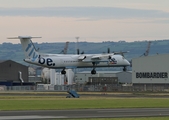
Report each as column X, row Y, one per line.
column 23, row 37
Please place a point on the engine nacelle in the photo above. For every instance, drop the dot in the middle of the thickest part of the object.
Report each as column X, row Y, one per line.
column 112, row 59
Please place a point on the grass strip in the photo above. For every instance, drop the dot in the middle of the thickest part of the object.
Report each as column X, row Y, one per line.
column 53, row 103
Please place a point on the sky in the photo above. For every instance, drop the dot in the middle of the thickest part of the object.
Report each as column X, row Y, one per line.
column 90, row 20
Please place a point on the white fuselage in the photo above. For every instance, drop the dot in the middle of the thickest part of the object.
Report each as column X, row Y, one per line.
column 74, row 61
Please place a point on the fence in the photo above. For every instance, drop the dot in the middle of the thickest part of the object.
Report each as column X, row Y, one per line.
column 87, row 88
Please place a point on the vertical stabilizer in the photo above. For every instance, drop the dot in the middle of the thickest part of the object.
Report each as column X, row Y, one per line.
column 28, row 47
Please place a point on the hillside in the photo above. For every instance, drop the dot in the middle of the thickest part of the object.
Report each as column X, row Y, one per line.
column 136, row 49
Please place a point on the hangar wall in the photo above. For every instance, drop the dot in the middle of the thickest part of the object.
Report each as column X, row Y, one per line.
column 122, row 77
column 9, row 71
column 151, row 69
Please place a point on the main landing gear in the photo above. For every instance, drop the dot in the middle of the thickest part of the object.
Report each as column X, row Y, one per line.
column 93, row 71
column 63, row 72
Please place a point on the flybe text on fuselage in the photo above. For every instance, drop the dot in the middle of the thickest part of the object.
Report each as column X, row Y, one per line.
column 48, row 61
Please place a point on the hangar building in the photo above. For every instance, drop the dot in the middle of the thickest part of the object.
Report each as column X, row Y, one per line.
column 13, row 71
column 151, row 69
column 103, row 77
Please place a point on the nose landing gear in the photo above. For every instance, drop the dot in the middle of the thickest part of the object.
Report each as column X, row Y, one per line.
column 124, row 69
column 93, row 71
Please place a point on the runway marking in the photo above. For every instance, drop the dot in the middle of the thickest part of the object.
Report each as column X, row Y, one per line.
column 84, row 113
column 135, row 110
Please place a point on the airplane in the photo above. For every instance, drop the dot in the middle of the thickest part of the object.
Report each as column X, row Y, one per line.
column 67, row 61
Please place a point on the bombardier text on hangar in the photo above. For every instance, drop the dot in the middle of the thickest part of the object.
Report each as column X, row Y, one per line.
column 62, row 61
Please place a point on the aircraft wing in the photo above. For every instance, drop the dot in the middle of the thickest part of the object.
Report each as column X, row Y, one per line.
column 93, row 58
column 121, row 53
column 101, row 56
column 96, row 57
column 82, row 57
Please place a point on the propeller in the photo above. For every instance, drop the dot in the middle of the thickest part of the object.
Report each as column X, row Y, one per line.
column 78, row 51
column 108, row 50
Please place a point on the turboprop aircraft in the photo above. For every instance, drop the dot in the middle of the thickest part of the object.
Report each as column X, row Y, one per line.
column 64, row 61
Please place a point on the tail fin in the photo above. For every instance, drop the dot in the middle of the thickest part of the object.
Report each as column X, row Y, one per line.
column 28, row 47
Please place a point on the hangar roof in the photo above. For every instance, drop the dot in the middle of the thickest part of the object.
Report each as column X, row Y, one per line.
column 151, row 56
column 1, row 61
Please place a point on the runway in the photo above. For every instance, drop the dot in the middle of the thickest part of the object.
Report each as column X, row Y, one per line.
column 84, row 113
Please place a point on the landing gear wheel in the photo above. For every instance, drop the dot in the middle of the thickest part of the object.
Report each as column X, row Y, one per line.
column 124, row 69
column 93, row 71
column 63, row 72
column 94, row 65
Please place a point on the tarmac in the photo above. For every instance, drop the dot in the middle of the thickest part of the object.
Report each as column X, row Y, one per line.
column 86, row 113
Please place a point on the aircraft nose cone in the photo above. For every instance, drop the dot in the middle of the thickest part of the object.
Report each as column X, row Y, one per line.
column 127, row 62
